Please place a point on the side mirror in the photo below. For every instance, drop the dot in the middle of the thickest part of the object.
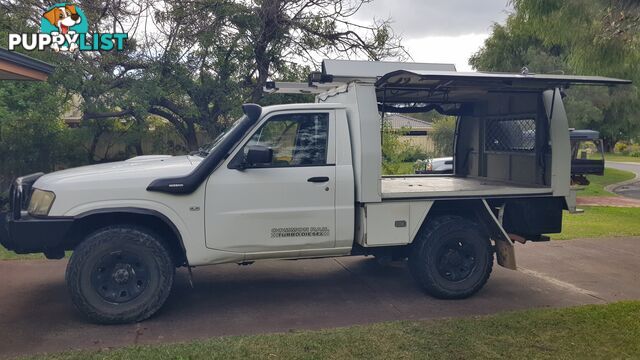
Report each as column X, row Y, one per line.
column 258, row 154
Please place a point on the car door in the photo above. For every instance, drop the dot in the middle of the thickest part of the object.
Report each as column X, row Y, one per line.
column 284, row 205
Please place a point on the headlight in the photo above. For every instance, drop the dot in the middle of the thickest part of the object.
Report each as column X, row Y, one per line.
column 41, row 202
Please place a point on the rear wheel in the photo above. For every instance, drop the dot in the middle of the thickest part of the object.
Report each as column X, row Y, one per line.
column 120, row 274
column 452, row 258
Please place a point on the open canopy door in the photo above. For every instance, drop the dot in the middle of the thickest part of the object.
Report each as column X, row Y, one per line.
column 411, row 86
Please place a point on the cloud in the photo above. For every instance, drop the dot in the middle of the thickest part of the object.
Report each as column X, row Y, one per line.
column 445, row 49
column 421, row 18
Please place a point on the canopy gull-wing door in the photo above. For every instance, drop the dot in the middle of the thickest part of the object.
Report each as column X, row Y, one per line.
column 447, row 91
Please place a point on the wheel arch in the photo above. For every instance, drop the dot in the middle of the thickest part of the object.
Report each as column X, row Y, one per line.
column 92, row 220
column 479, row 211
column 471, row 209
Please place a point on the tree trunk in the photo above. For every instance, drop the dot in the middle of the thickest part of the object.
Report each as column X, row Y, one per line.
column 138, row 147
column 91, row 156
column 191, row 137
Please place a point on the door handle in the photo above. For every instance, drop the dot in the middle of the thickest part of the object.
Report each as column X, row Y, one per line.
column 318, row 179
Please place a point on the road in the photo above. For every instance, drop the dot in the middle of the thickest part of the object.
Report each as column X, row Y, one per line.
column 278, row 296
column 632, row 188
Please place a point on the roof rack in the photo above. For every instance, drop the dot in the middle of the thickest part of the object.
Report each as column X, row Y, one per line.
column 336, row 73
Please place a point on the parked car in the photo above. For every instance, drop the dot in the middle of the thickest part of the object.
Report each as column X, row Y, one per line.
column 441, row 165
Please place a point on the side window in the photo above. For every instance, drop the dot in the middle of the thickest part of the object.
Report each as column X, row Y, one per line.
column 511, row 135
column 296, row 139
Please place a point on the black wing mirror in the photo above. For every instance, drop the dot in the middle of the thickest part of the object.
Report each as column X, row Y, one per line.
column 256, row 155
column 259, row 155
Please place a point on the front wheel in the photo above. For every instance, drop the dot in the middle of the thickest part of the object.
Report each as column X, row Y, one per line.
column 120, row 274
column 452, row 258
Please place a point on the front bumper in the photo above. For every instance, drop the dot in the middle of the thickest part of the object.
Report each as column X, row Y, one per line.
column 25, row 234
column 34, row 235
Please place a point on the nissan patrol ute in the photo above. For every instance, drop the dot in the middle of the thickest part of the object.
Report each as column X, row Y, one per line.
column 304, row 181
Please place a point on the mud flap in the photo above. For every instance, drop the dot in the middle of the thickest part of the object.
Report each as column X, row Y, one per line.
column 505, row 252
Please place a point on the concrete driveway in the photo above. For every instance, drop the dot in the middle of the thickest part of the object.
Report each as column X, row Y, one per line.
column 628, row 188
column 278, row 296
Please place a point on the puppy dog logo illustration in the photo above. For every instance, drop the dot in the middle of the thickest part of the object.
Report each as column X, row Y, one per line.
column 64, row 28
column 66, row 20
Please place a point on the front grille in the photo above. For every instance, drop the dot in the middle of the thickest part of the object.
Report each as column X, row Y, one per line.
column 20, row 194
column 15, row 200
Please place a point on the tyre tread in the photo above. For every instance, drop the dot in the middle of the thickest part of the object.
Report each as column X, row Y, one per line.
column 422, row 244
column 92, row 242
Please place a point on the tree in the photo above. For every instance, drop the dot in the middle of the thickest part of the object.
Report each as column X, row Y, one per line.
column 599, row 36
column 32, row 140
column 216, row 54
column 555, row 37
column 194, row 65
column 444, row 129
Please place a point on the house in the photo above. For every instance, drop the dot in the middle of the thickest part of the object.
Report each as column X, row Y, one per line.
column 15, row 66
column 73, row 114
column 413, row 131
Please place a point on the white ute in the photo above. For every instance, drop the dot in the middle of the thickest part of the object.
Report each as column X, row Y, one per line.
column 304, row 180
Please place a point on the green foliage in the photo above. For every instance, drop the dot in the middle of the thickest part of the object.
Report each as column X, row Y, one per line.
column 443, row 133
column 32, row 136
column 194, row 70
column 621, row 158
column 396, row 153
column 633, row 151
column 620, row 147
column 574, row 37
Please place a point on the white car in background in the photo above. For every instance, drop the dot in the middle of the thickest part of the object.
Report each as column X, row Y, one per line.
column 442, row 165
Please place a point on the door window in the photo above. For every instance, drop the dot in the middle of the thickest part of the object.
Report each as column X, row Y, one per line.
column 296, row 139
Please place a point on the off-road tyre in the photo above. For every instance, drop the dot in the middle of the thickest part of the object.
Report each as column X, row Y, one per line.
column 120, row 274
column 451, row 258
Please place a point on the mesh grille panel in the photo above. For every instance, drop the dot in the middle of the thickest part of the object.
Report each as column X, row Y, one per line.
column 511, row 135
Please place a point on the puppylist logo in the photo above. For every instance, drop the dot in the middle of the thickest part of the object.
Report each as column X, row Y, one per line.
column 64, row 27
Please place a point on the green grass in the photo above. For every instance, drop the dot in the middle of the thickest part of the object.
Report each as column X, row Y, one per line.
column 600, row 222
column 10, row 255
column 621, row 158
column 403, row 168
column 588, row 332
column 598, row 183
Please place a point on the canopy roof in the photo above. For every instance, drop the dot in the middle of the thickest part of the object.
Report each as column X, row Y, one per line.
column 583, row 134
column 447, row 86
column 350, row 70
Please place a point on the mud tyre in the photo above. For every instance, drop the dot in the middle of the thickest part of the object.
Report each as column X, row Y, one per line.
column 452, row 258
column 120, row 274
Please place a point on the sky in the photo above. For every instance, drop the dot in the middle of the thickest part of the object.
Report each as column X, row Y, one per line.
column 440, row 31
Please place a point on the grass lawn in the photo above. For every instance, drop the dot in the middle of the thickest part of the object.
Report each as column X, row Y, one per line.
column 621, row 158
column 587, row 332
column 611, row 176
column 403, row 168
column 600, row 222
column 10, row 255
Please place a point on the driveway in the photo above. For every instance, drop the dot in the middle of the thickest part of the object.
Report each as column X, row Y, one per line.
column 279, row 296
column 628, row 188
